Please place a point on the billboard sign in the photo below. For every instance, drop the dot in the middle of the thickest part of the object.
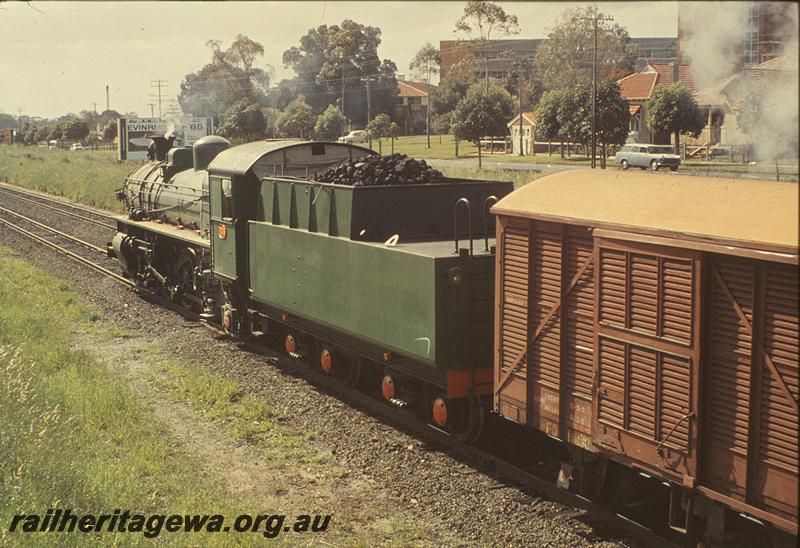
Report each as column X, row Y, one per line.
column 134, row 134
column 7, row 136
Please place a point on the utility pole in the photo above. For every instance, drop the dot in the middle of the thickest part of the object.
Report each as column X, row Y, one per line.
column 152, row 114
column 595, row 19
column 369, row 80
column 107, row 101
column 94, row 107
column 158, row 84
column 519, row 91
column 19, row 114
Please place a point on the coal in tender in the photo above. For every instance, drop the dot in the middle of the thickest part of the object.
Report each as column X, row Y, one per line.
column 393, row 169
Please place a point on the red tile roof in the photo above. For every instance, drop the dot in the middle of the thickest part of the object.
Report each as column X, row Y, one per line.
column 408, row 88
column 638, row 86
column 528, row 118
column 664, row 71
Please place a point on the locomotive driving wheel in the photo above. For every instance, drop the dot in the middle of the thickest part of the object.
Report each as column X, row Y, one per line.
column 184, row 287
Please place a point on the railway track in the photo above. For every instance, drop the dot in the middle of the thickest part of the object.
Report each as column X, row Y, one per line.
column 73, row 247
column 505, row 473
column 84, row 213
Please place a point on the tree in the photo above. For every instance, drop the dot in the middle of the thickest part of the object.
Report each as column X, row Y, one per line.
column 297, row 120
column 575, row 115
column 454, row 85
column 230, row 77
column 564, row 59
column 394, row 133
column 380, row 128
column 425, row 65
column 75, row 130
column 612, row 117
column 270, row 120
column 110, row 130
column 330, row 124
column 481, row 114
column 547, row 124
column 487, row 18
column 330, row 63
column 243, row 121
column 673, row 109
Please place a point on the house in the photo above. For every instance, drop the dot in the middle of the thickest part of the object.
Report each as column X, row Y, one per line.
column 413, row 104
column 528, row 133
column 638, row 88
column 773, row 85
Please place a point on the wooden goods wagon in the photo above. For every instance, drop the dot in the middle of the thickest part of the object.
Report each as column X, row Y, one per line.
column 654, row 320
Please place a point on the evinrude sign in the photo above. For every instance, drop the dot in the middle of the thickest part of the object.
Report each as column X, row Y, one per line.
column 134, row 134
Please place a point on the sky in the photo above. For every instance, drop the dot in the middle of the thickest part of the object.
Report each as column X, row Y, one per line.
column 58, row 57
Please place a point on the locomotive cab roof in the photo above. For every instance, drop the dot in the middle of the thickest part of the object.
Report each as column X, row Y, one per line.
column 284, row 157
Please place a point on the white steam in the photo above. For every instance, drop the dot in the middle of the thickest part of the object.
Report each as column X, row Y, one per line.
column 761, row 109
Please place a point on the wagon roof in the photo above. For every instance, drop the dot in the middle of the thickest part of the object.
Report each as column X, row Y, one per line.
column 761, row 215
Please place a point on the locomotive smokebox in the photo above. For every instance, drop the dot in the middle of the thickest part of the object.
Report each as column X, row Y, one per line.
column 159, row 147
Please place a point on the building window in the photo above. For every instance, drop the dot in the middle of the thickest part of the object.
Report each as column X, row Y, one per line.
column 751, row 37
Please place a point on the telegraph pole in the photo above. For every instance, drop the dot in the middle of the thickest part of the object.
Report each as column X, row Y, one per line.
column 107, row 99
column 595, row 19
column 519, row 91
column 158, row 84
column 152, row 114
column 369, row 80
column 19, row 114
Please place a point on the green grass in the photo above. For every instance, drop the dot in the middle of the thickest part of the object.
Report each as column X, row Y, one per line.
column 89, row 176
column 518, row 177
column 72, row 435
column 244, row 417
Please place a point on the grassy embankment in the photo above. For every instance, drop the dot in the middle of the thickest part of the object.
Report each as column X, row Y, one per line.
column 74, row 435
column 90, row 177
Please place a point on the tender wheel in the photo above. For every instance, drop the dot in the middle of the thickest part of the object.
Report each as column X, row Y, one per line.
column 343, row 367
column 654, row 165
column 463, row 417
column 624, row 164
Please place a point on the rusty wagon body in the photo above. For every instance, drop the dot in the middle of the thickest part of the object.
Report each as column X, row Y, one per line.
column 653, row 320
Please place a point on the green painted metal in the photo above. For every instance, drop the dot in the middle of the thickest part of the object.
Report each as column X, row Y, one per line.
column 414, row 212
column 224, row 251
column 401, row 298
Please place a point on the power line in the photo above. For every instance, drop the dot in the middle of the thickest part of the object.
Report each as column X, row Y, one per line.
column 596, row 18
column 158, row 84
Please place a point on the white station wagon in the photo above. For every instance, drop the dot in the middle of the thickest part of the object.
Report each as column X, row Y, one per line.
column 647, row 156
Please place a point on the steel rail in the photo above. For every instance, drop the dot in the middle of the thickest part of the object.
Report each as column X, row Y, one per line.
column 52, row 198
column 5, row 190
column 114, row 276
column 78, row 241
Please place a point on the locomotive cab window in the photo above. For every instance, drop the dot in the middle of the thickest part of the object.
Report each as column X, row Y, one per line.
column 221, row 202
column 226, row 200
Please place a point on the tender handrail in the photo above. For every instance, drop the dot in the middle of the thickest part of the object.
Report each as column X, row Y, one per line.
column 486, row 220
column 469, row 220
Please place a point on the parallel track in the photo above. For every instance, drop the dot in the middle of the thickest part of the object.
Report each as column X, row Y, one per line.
column 508, row 474
column 64, row 208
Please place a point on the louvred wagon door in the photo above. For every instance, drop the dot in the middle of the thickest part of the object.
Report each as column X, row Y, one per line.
column 647, row 342
column 750, row 440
